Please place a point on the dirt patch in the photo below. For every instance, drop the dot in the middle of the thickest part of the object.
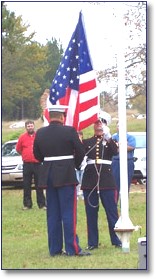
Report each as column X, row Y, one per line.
column 138, row 188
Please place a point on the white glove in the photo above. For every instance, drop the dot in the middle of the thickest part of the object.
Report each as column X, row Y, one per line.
column 106, row 131
column 84, row 163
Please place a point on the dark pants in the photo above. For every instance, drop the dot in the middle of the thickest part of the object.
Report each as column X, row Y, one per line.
column 61, row 219
column 116, row 172
column 108, row 200
column 30, row 170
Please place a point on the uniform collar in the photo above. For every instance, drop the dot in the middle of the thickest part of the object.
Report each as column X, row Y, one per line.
column 56, row 122
column 99, row 137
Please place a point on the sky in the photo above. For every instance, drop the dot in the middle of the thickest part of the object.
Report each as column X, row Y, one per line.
column 59, row 19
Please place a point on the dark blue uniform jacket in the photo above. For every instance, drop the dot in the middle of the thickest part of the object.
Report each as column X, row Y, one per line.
column 58, row 140
column 99, row 150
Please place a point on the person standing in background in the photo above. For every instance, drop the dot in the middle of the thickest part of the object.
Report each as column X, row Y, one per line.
column 24, row 147
column 131, row 144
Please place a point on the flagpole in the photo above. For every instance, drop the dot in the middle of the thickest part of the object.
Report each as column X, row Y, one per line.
column 124, row 226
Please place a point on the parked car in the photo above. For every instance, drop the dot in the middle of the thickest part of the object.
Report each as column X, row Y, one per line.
column 12, row 165
column 140, row 156
column 141, row 116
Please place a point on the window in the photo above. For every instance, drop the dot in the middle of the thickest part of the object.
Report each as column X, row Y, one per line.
column 9, row 149
column 140, row 141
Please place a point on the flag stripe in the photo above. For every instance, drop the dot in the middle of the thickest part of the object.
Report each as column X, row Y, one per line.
column 87, row 122
column 84, row 87
column 88, row 113
column 90, row 75
column 76, row 116
column 65, row 100
column 84, row 97
column 88, row 104
column 75, row 82
column 46, row 115
column 73, row 106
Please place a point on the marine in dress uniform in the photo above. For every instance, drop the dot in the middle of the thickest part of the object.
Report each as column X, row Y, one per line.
column 98, row 181
column 60, row 150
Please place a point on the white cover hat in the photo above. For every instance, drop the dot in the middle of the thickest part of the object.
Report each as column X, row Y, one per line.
column 103, row 115
column 59, row 108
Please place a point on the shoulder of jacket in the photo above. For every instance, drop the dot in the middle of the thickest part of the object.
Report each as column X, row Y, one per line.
column 69, row 128
column 89, row 139
column 41, row 129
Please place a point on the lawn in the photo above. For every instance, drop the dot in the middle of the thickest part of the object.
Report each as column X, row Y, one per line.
column 24, row 237
column 133, row 125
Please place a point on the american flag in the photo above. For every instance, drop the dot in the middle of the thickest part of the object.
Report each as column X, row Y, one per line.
column 75, row 82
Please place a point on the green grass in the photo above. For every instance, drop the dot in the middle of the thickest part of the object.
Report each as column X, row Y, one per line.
column 24, row 234
column 24, row 237
column 133, row 124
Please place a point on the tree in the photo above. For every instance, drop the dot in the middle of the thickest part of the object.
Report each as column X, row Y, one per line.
column 54, row 55
column 27, row 68
column 135, row 57
column 13, row 31
column 23, row 68
column 23, row 81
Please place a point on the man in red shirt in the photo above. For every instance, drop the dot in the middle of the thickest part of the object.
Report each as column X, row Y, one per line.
column 24, row 147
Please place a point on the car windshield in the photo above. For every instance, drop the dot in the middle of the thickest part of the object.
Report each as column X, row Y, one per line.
column 9, row 149
column 140, row 141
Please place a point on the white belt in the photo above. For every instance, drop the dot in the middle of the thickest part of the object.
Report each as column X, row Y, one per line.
column 56, row 158
column 99, row 161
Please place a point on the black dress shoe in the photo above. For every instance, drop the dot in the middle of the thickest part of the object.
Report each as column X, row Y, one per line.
column 80, row 254
column 26, row 208
column 91, row 247
column 63, row 253
column 59, row 253
column 83, row 253
column 118, row 246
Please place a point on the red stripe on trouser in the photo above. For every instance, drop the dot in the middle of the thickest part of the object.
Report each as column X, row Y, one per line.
column 116, row 196
column 76, row 247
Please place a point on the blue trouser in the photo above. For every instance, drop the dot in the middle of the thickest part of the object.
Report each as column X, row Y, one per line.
column 116, row 172
column 61, row 218
column 108, row 200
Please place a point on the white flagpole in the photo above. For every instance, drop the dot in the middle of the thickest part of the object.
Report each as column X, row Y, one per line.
column 124, row 226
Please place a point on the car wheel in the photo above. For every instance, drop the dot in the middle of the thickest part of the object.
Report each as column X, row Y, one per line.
column 142, row 181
